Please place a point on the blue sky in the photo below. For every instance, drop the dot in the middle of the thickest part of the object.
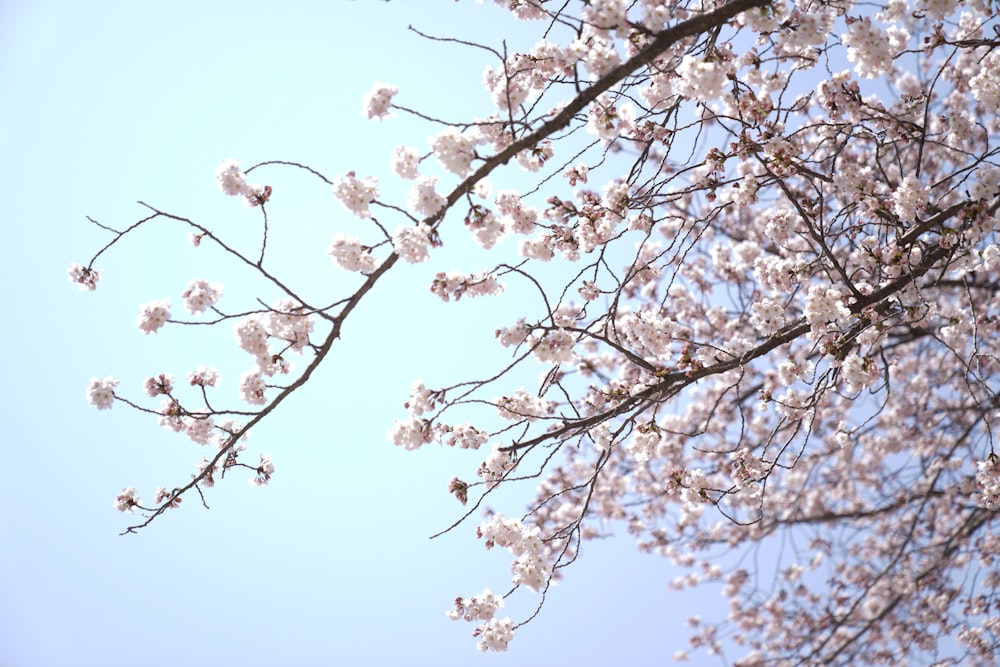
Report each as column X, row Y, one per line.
column 107, row 103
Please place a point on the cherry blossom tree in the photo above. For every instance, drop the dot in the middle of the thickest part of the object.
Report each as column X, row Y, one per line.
column 760, row 239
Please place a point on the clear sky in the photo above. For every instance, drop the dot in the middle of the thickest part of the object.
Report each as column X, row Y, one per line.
column 107, row 103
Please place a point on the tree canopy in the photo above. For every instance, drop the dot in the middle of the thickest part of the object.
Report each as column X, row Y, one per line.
column 755, row 244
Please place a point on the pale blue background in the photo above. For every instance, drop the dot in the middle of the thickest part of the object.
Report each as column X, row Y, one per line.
column 105, row 103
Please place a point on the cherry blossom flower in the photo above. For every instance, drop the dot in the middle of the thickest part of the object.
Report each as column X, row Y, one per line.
column 411, row 434
column 251, row 335
column 201, row 295
column 404, row 162
column 252, row 387
column 872, row 48
column 988, row 482
column 160, row 385
column 496, row 465
column 480, row 607
column 456, row 150
column 701, row 79
column 85, row 277
column 356, row 194
column 171, row 415
column 457, row 285
column 463, row 436
column 460, row 490
column 495, row 634
column 411, row 242
column 232, row 181
column 348, row 253
column 126, row 500
column 264, row 472
column 101, row 393
column 162, row 494
column 423, row 199
column 377, row 101
column 203, row 377
column 200, row 428
column 153, row 315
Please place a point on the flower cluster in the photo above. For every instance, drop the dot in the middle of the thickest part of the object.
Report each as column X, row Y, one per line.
column 201, row 295
column 153, row 315
column 481, row 607
column 378, row 100
column 424, row 199
column 126, row 500
column 404, row 162
column 859, row 372
column 356, row 194
column 909, row 198
column 411, row 242
column 494, row 634
column 84, row 276
column 701, row 79
column 422, row 399
column 607, row 121
column 487, row 227
column 768, row 316
column 988, row 482
column 871, row 48
column 200, row 427
column 171, row 496
column 531, row 566
column 824, row 306
column 264, row 471
column 203, row 377
column 101, row 393
column 411, row 434
column 233, row 181
column 457, row 285
column 171, row 415
column 252, row 387
column 554, row 346
column 348, row 253
column 645, row 443
column 459, row 489
column 523, row 406
column 463, row 436
column 517, row 218
column 986, row 85
column 515, row 335
column 747, row 472
column 456, row 150
column 159, row 385
column 496, row 465
column 284, row 323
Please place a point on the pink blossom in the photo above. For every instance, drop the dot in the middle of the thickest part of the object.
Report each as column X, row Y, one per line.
column 378, row 100
column 101, row 393
column 84, row 276
column 201, row 295
column 153, row 315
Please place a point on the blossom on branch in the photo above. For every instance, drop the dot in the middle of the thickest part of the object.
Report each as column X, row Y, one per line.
column 348, row 253
column 264, row 472
column 411, row 242
column 378, row 100
column 126, row 500
column 356, row 194
column 101, row 393
column 85, row 277
column 153, row 315
column 201, row 295
column 760, row 295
